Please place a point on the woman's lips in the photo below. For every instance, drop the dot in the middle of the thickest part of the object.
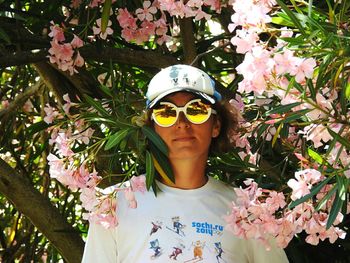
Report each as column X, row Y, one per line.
column 183, row 139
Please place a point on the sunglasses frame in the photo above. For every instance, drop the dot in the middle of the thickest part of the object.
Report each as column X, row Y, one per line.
column 182, row 109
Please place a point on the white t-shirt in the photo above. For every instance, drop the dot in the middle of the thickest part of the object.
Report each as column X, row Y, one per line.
column 176, row 226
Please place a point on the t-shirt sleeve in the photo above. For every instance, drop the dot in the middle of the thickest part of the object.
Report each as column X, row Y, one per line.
column 259, row 254
column 100, row 245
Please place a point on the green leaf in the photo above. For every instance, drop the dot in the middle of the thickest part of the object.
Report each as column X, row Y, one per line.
column 313, row 192
column 294, row 116
column 149, row 170
column 322, row 70
column 347, row 91
column 311, row 88
column 155, row 139
column 37, row 127
column 280, row 20
column 282, row 108
column 116, row 138
column 97, row 105
column 261, row 129
column 100, row 120
column 163, row 161
column 315, row 156
column 291, row 16
column 342, row 183
column 106, row 90
column 340, row 139
column 105, row 15
column 4, row 36
column 274, row 139
column 232, row 159
column 326, row 198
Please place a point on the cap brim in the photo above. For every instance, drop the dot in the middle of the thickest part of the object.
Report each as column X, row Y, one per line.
column 161, row 96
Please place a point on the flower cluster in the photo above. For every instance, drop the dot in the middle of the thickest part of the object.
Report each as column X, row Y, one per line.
column 141, row 26
column 76, row 172
column 261, row 214
column 150, row 20
column 65, row 55
column 269, row 72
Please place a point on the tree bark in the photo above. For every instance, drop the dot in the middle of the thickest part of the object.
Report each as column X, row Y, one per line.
column 19, row 190
column 21, row 99
column 141, row 58
column 188, row 40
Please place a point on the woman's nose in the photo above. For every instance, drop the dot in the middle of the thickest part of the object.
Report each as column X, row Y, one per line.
column 182, row 120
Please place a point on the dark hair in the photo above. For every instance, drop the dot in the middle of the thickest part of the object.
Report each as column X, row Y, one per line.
column 229, row 118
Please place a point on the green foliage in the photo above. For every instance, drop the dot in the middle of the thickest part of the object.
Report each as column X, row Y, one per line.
column 121, row 145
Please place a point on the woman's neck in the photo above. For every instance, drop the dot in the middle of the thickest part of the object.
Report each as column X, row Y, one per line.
column 189, row 173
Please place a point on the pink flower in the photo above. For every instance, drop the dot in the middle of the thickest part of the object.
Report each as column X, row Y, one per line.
column 28, row 106
column 147, row 12
column 76, row 42
column 56, row 165
column 200, row 14
column 163, row 39
column 130, row 197
column 214, row 5
column 128, row 34
column 244, row 41
column 86, row 135
column 305, row 179
column 56, row 32
column 148, row 28
column 194, row 3
column 161, row 27
column 304, row 69
column 97, row 29
column 5, row 104
column 300, row 188
column 312, row 239
column 107, row 220
column 142, row 35
column 275, row 201
column 138, row 183
column 51, row 113
column 317, row 134
column 125, row 19
column 62, row 143
column 75, row 3
column 347, row 173
column 88, row 198
column 285, row 62
column 237, row 102
column 61, row 52
column 68, row 103
column 78, row 61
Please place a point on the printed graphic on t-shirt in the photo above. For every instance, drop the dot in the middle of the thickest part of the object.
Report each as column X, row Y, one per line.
column 177, row 226
column 156, row 248
column 155, row 226
column 177, row 250
column 207, row 228
column 172, row 239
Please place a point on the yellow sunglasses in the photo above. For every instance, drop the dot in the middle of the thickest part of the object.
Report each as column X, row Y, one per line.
column 167, row 113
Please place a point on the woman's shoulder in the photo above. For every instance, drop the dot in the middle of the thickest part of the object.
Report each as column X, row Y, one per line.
column 221, row 188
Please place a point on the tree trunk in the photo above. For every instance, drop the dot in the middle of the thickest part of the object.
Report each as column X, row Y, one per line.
column 19, row 190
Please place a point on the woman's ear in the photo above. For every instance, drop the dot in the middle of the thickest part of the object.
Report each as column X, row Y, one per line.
column 216, row 127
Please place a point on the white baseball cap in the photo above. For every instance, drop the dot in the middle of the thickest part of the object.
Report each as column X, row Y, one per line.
column 181, row 78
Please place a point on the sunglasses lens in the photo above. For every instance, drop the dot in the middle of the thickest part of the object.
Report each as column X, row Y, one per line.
column 165, row 115
column 198, row 112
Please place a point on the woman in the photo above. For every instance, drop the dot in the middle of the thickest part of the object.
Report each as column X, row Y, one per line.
column 184, row 222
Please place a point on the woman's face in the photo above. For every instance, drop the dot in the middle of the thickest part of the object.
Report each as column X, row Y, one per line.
column 184, row 139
